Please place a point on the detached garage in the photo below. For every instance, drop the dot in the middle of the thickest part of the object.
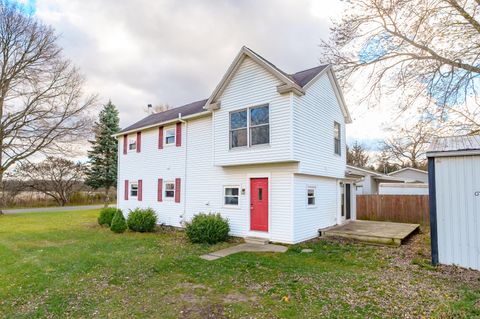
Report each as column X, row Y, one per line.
column 454, row 188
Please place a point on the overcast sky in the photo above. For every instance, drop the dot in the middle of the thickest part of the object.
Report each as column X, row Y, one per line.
column 175, row 52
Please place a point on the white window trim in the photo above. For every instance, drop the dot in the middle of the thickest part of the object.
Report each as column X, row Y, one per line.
column 314, row 188
column 223, row 196
column 130, row 142
column 174, row 136
column 335, row 139
column 130, row 189
column 247, row 109
column 165, row 190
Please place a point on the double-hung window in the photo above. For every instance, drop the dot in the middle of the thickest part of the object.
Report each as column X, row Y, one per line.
column 231, row 194
column 132, row 144
column 169, row 189
column 133, row 189
column 170, row 136
column 311, row 196
column 250, row 126
column 337, row 138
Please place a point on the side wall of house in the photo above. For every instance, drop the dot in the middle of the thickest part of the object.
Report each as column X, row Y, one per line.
column 325, row 213
column 314, row 115
column 250, row 86
column 202, row 183
column 412, row 175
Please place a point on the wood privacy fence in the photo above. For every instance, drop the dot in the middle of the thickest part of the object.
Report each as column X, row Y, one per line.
column 394, row 208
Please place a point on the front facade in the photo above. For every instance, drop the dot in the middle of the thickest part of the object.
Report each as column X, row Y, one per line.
column 266, row 150
column 454, row 172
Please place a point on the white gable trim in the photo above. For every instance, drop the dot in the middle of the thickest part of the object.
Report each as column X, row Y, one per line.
column 408, row 169
column 287, row 86
column 339, row 95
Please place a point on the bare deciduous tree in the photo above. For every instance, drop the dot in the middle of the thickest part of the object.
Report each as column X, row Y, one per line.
column 42, row 104
column 158, row 108
column 408, row 145
column 56, row 177
column 428, row 49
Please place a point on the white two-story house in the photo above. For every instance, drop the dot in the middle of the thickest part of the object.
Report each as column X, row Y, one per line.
column 266, row 150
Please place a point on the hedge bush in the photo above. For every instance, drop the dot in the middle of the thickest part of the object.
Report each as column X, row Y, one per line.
column 207, row 228
column 119, row 225
column 142, row 220
column 106, row 216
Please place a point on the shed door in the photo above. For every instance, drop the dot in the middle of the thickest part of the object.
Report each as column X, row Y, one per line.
column 457, row 182
column 259, row 204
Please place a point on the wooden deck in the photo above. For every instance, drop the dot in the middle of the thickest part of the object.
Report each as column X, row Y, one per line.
column 384, row 233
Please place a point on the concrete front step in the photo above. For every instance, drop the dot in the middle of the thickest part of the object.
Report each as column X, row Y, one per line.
column 256, row 240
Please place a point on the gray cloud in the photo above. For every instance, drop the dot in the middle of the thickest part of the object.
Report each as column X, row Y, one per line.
column 140, row 52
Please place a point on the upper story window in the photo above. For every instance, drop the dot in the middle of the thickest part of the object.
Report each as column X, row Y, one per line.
column 169, row 190
column 170, row 136
column 132, row 144
column 133, row 189
column 337, row 138
column 250, row 126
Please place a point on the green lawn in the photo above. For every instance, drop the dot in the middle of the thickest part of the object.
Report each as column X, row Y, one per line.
column 65, row 265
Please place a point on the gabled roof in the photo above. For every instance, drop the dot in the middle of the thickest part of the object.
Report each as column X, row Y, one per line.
column 295, row 82
column 408, row 169
column 172, row 114
column 362, row 171
column 455, row 146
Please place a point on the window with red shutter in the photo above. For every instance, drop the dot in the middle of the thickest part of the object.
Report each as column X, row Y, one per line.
column 140, row 190
column 177, row 190
column 179, row 135
column 160, row 190
column 139, row 142
column 126, row 190
column 125, row 144
column 160, row 137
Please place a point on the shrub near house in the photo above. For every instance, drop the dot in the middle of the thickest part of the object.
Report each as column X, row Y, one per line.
column 208, row 229
column 106, row 216
column 142, row 220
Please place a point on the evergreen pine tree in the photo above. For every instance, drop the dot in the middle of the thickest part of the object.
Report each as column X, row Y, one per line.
column 102, row 171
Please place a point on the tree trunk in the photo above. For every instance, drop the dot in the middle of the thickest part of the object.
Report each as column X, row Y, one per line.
column 2, row 197
column 107, row 197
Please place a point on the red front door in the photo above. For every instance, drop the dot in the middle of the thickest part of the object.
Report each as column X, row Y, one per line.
column 259, row 204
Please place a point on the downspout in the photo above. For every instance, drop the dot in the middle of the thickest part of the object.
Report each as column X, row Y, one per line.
column 182, row 217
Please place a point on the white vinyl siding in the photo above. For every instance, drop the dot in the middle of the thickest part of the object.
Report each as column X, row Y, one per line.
column 253, row 86
column 313, row 133
column 307, row 219
column 458, row 207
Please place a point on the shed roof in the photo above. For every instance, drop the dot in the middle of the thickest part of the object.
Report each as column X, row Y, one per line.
column 455, row 146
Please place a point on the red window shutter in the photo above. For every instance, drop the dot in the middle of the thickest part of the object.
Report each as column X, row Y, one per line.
column 178, row 137
column 178, row 187
column 140, row 184
column 160, row 190
column 125, row 143
column 126, row 190
column 160, row 137
column 139, row 142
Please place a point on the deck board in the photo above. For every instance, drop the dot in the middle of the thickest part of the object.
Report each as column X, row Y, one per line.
column 373, row 232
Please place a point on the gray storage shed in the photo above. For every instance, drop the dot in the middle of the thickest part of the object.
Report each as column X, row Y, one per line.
column 454, row 189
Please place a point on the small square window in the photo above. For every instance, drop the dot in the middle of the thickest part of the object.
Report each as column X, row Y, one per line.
column 132, row 144
column 169, row 189
column 133, row 189
column 311, row 196
column 231, row 195
column 170, row 136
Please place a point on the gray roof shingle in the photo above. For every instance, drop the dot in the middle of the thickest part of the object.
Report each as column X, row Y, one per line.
column 152, row 119
column 301, row 78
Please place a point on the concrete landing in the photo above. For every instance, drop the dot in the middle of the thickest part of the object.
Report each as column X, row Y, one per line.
column 385, row 233
column 245, row 248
